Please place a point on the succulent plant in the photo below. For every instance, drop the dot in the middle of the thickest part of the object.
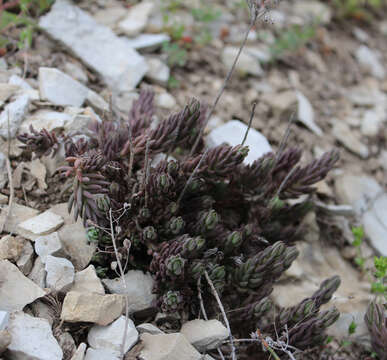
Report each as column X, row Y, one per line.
column 376, row 321
column 195, row 214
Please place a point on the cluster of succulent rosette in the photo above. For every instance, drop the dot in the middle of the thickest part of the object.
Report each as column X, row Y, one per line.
column 187, row 214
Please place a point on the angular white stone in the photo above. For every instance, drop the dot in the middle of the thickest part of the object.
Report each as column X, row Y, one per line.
column 166, row 101
column 110, row 337
column 147, row 42
column 370, row 60
column 96, row 101
column 371, row 123
column 74, row 241
column 167, row 347
column 11, row 247
column 13, row 114
column 359, row 191
column 137, row 18
column 38, row 273
column 32, row 338
column 49, row 120
column 13, row 298
column 88, row 281
column 204, row 335
column 6, row 91
column 26, row 258
column 139, row 289
column 149, row 329
column 247, row 63
column 60, row 88
column 91, row 307
column 18, row 214
column 60, row 273
column 43, row 224
column 48, row 245
column 76, row 72
column 375, row 224
column 102, row 354
column 233, row 133
column 80, row 353
column 96, row 45
column 306, row 114
column 158, row 71
column 344, row 135
column 4, row 318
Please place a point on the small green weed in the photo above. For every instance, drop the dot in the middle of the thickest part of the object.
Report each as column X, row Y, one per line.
column 292, row 40
column 20, row 14
column 357, row 9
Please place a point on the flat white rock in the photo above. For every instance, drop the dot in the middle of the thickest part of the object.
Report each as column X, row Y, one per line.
column 43, row 224
column 60, row 273
column 247, row 63
column 167, row 347
column 46, row 119
column 25, row 261
column 136, row 19
column 375, row 224
column 165, row 101
column 233, row 133
column 371, row 61
column 88, row 281
column 13, row 298
column 306, row 114
column 4, row 318
column 38, row 273
column 102, row 354
column 204, row 334
column 48, row 245
column 111, row 336
column 13, row 114
column 147, row 41
column 80, row 352
column 120, row 66
column 158, row 71
column 32, row 339
column 139, row 289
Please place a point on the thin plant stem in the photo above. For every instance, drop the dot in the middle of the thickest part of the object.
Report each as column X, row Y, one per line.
column 250, row 122
column 215, row 293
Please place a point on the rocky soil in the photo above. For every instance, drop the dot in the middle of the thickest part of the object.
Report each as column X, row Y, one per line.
column 53, row 304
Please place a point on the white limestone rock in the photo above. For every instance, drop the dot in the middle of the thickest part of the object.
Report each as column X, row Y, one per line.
column 233, row 133
column 120, row 66
column 167, row 347
column 60, row 88
column 149, row 329
column 165, row 101
column 370, row 59
column 80, row 352
column 111, row 336
column 48, row 245
column 306, row 114
column 32, row 338
column 11, row 247
column 91, row 307
column 60, row 273
column 247, row 64
column 13, row 298
column 158, row 71
column 13, row 114
column 136, row 19
column 43, row 224
column 38, row 273
column 25, row 261
column 204, row 335
column 46, row 119
column 4, row 319
column 147, row 42
column 88, row 281
column 345, row 136
column 102, row 354
column 139, row 289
